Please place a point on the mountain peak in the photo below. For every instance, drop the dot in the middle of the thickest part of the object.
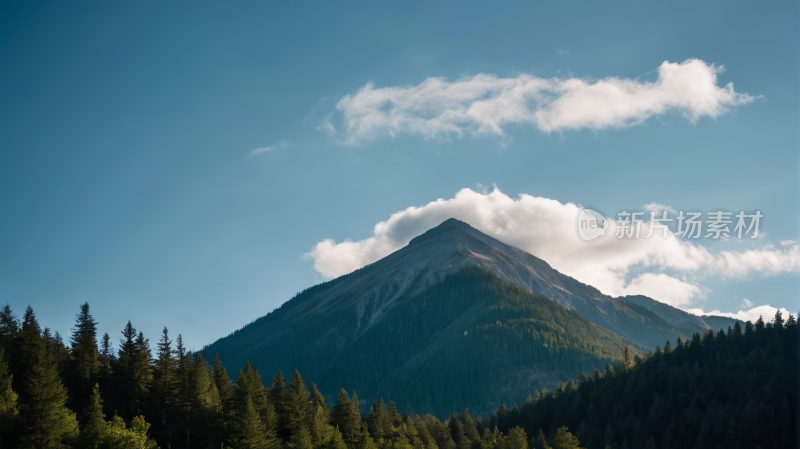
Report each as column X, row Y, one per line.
column 446, row 227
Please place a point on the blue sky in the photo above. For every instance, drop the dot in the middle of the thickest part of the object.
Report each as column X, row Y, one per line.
column 126, row 133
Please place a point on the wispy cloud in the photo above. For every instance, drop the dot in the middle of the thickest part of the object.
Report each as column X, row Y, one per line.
column 564, row 53
column 486, row 104
column 257, row 151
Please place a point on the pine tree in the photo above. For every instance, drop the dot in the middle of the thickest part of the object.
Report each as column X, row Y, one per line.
column 164, row 372
column 9, row 326
column 394, row 417
column 470, row 431
column 301, row 439
column 299, row 405
column 457, row 432
column 760, row 323
column 317, row 399
column 667, row 348
column 95, row 427
column 30, row 335
column 516, row 439
column 791, row 321
column 343, row 419
column 541, row 442
column 565, row 440
column 47, row 421
column 249, row 385
column 777, row 322
column 8, row 398
column 355, row 418
column 249, row 432
column 84, row 352
column 279, row 399
column 336, row 441
column 221, row 380
column 200, row 383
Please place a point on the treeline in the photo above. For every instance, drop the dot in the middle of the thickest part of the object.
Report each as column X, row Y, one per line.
column 727, row 389
column 84, row 394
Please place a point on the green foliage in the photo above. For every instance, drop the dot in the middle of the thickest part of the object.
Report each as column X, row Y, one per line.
column 47, row 421
column 722, row 390
column 565, row 440
column 117, row 435
column 8, row 399
column 248, row 433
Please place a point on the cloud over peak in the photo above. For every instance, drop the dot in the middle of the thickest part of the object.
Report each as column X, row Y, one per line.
column 486, row 104
column 668, row 270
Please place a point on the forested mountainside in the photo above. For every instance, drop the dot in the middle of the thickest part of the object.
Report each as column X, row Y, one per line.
column 88, row 395
column 471, row 341
column 728, row 389
column 347, row 307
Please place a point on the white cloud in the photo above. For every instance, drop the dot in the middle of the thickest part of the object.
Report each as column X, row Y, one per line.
column 485, row 104
column 281, row 144
column 667, row 270
column 746, row 303
column 766, row 311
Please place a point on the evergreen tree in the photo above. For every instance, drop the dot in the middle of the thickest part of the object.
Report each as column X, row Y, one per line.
column 336, row 441
column 164, row 374
column 317, row 399
column 343, row 419
column 565, row 440
column 299, row 406
column 516, row 439
column 470, row 431
column 249, row 432
column 9, row 326
column 279, row 399
column 777, row 322
column 221, row 380
column 355, row 418
column 8, row 399
column 84, row 352
column 667, row 348
column 47, row 421
column 95, row 427
column 301, row 439
column 200, row 383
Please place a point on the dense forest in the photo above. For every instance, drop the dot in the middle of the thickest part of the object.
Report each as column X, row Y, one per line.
column 728, row 389
column 472, row 341
column 83, row 394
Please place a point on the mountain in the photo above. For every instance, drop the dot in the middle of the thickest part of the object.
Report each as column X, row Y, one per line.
column 471, row 340
column 687, row 322
column 455, row 319
column 454, row 245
